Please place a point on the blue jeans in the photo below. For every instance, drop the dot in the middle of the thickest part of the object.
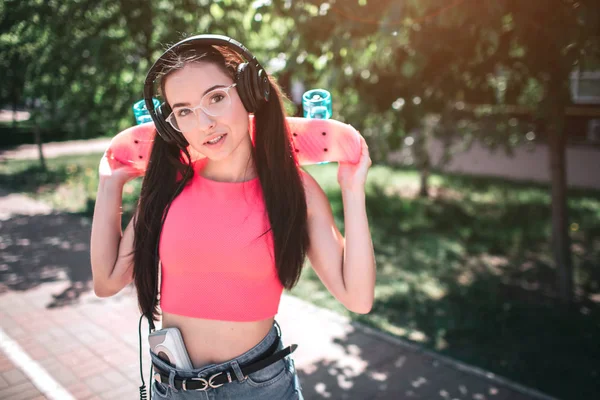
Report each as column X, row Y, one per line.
column 276, row 381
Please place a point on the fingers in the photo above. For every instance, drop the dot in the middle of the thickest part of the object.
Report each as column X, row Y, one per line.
column 104, row 169
column 365, row 151
column 117, row 164
column 110, row 166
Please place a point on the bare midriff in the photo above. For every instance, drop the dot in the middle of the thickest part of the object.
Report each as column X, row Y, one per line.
column 214, row 342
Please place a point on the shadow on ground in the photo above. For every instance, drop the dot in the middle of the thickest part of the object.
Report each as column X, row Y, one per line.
column 366, row 371
column 46, row 248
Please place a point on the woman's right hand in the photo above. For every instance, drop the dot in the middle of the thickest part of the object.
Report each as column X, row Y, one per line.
column 112, row 170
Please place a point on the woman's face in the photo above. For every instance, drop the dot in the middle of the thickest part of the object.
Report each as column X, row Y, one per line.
column 187, row 88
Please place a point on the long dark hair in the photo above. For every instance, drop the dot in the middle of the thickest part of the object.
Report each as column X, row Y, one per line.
column 276, row 166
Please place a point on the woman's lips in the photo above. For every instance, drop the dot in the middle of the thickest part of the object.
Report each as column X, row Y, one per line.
column 221, row 136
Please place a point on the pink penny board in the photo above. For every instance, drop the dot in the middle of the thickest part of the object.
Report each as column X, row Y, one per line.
column 314, row 140
column 323, row 140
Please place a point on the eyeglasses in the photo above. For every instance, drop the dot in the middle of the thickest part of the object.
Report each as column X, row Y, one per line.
column 214, row 103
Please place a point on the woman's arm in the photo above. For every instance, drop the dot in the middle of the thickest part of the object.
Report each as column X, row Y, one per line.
column 110, row 249
column 346, row 266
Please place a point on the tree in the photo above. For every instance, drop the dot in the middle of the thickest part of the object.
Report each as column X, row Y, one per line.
column 85, row 61
column 549, row 56
column 426, row 57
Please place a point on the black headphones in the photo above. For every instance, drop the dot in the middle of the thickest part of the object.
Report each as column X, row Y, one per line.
column 251, row 78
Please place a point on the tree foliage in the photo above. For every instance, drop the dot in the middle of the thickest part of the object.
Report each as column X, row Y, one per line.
column 80, row 65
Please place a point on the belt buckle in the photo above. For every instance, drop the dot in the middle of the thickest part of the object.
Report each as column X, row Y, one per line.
column 207, row 383
column 201, row 389
column 210, row 381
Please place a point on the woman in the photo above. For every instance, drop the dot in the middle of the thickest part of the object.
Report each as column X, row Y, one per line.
column 229, row 230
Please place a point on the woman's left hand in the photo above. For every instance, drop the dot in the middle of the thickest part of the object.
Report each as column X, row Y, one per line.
column 353, row 176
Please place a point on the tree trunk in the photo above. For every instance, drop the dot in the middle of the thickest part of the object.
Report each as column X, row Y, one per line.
column 424, row 174
column 38, row 141
column 421, row 153
column 14, row 113
column 561, row 243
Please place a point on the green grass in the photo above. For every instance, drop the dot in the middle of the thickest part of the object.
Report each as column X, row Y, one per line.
column 468, row 272
column 69, row 184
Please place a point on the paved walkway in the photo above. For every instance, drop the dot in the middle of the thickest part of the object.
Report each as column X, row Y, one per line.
column 55, row 149
column 59, row 341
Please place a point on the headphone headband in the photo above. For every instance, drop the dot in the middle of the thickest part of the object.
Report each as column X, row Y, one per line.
column 209, row 40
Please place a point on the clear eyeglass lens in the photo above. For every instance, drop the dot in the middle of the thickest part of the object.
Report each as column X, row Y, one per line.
column 214, row 103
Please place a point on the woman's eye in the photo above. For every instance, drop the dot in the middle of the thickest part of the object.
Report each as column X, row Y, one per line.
column 183, row 112
column 215, row 98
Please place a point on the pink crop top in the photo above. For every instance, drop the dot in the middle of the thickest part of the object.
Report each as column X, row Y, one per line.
column 217, row 261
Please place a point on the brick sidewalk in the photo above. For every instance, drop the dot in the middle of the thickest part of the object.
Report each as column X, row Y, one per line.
column 13, row 382
column 89, row 346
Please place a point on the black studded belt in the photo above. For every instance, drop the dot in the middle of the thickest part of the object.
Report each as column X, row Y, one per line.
column 219, row 379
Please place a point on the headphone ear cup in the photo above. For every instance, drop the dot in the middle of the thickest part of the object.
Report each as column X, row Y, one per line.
column 263, row 85
column 245, row 91
column 161, row 124
column 259, row 84
column 165, row 130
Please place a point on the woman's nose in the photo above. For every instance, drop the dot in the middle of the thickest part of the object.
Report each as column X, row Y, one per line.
column 205, row 121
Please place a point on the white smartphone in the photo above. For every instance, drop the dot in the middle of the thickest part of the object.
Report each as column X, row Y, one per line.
column 168, row 345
